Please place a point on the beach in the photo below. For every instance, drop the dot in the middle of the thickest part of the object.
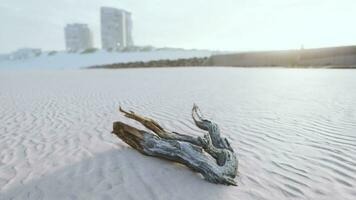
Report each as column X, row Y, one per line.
column 292, row 129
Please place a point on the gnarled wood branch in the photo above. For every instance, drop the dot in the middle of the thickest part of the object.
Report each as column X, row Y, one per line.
column 210, row 155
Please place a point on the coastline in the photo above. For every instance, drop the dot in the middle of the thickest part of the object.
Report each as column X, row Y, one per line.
column 204, row 62
column 330, row 58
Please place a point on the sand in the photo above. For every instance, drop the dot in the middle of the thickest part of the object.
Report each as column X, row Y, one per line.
column 298, row 143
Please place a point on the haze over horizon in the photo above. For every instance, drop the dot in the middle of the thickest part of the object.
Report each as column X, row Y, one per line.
column 238, row 25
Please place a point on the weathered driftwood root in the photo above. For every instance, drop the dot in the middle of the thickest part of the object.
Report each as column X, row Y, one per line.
column 211, row 155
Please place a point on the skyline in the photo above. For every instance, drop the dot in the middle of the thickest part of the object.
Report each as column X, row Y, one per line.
column 218, row 25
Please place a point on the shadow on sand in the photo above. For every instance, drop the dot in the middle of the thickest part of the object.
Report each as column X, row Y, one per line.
column 118, row 174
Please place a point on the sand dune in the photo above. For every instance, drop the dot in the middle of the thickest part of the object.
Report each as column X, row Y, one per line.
column 293, row 130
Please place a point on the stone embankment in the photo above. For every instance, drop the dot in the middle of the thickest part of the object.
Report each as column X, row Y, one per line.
column 157, row 63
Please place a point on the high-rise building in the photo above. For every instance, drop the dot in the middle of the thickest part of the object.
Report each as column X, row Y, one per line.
column 116, row 28
column 78, row 37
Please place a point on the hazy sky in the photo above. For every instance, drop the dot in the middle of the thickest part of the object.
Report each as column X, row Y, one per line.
column 205, row 24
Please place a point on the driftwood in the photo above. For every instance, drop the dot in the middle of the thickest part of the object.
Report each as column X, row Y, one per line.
column 211, row 155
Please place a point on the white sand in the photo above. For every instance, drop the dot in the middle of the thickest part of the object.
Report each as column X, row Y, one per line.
column 55, row 140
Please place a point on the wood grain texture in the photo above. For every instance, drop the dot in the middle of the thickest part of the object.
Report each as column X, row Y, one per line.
column 210, row 155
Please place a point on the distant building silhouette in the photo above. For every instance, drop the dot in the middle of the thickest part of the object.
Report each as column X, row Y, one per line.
column 78, row 37
column 116, row 28
column 25, row 53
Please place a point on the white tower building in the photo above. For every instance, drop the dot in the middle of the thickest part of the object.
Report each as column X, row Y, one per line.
column 116, row 28
column 78, row 37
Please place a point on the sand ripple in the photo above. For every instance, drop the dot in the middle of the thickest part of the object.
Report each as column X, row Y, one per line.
column 294, row 131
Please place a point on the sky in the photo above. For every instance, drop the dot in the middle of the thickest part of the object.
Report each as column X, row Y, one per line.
column 237, row 25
